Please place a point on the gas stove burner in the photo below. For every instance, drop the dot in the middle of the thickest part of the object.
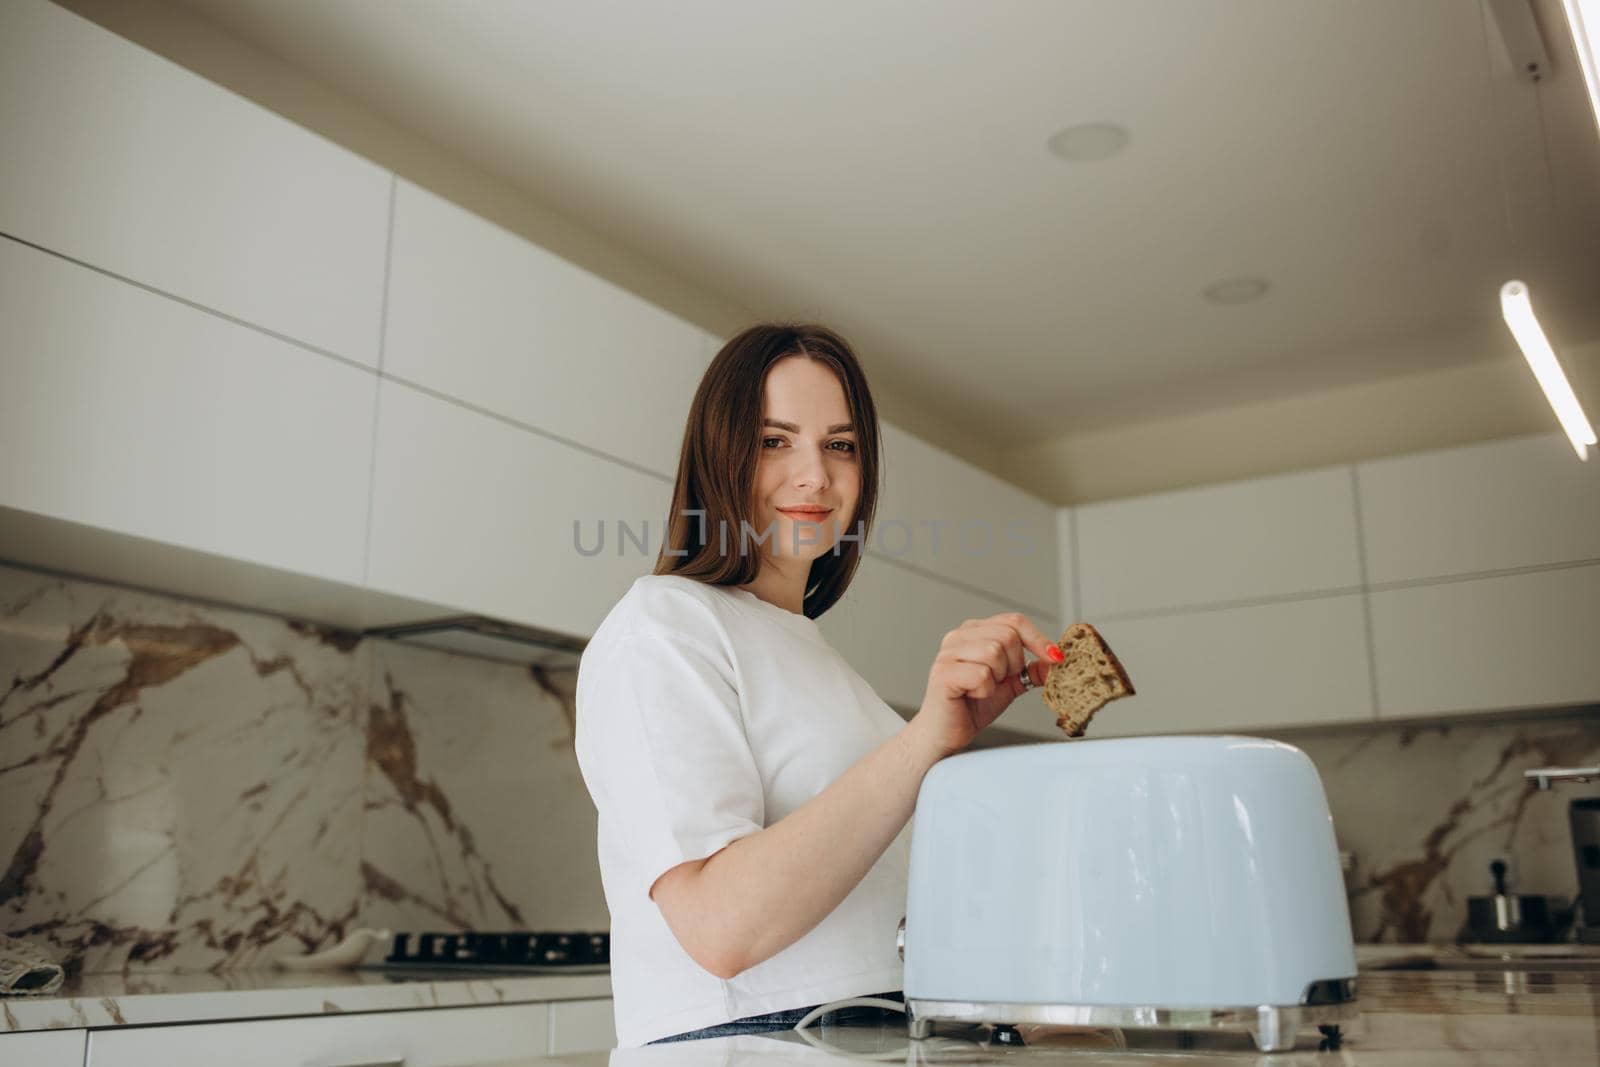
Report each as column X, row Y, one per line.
column 518, row 949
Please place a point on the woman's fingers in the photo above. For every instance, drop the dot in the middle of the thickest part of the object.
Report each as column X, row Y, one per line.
column 977, row 678
column 983, row 647
column 1031, row 636
column 1037, row 671
column 999, row 641
column 964, row 676
column 1027, row 633
column 996, row 647
column 1016, row 657
column 984, row 654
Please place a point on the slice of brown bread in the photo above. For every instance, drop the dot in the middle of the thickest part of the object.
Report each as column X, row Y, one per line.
column 1090, row 677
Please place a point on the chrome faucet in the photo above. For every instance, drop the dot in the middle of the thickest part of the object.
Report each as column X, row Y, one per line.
column 1584, row 814
column 1543, row 776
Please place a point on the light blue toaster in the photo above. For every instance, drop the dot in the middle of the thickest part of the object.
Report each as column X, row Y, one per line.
column 1147, row 882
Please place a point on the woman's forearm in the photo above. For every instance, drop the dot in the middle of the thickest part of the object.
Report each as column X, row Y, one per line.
column 765, row 891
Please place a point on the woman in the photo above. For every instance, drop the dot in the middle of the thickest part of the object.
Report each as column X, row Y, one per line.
column 754, row 793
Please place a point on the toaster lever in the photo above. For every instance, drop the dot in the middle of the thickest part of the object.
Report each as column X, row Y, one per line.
column 1006, row 1034
column 900, row 939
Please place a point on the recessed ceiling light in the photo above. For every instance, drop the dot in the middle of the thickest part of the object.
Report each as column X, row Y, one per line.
column 1089, row 142
column 1236, row 290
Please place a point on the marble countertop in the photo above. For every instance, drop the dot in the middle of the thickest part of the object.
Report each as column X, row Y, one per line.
column 1486, row 1015
column 1416, row 1018
column 181, row 997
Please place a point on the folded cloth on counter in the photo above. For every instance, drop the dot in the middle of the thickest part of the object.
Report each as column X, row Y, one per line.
column 26, row 968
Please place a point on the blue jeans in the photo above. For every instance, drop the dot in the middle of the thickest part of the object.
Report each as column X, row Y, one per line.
column 785, row 1020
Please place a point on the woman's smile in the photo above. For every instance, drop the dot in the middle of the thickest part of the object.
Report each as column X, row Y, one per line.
column 809, row 512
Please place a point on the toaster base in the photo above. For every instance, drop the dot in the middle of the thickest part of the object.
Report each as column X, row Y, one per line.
column 1272, row 1026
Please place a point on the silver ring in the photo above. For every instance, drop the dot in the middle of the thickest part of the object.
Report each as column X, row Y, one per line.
column 1027, row 680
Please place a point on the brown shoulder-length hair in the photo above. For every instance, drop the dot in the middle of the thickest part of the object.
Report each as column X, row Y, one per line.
column 721, row 447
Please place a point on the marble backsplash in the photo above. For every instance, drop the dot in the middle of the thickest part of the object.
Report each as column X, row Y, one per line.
column 189, row 787
column 184, row 786
column 1426, row 808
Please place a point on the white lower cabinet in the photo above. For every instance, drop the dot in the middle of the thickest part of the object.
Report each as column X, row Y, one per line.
column 582, row 1025
column 434, row 1037
column 1294, row 663
column 44, row 1048
column 474, row 513
column 1488, row 644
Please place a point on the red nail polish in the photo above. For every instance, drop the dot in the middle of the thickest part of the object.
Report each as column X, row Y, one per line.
column 1055, row 653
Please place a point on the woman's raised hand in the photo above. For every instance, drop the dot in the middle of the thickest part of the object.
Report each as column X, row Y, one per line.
column 977, row 674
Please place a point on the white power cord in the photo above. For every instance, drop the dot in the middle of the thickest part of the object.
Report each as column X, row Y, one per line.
column 918, row 1051
column 849, row 1002
column 911, row 1053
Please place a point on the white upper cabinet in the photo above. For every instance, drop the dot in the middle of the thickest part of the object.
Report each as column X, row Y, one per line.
column 1294, row 663
column 869, row 628
column 482, row 315
column 1488, row 644
column 896, row 465
column 1494, row 506
column 127, row 411
column 962, row 523
column 1267, row 537
column 123, row 160
column 1065, row 555
column 475, row 514
column 936, row 609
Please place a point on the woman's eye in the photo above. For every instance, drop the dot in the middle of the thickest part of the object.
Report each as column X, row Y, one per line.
column 849, row 446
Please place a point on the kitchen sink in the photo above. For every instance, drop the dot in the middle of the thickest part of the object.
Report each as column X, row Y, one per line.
column 1458, row 964
column 1512, row 958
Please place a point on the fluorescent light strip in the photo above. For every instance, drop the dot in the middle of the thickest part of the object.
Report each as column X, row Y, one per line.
column 1583, row 19
column 1518, row 312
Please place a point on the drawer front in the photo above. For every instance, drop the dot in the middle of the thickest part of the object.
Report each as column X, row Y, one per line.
column 582, row 1025
column 44, row 1048
column 433, row 1037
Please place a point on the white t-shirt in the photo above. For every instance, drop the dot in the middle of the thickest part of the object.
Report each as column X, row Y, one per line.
column 705, row 714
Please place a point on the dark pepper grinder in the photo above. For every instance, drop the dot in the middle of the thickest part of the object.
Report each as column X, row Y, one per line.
column 1507, row 911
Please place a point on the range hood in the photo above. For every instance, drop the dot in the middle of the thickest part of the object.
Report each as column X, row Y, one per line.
column 486, row 638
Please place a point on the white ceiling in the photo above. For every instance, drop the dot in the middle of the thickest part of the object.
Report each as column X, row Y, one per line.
column 882, row 166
